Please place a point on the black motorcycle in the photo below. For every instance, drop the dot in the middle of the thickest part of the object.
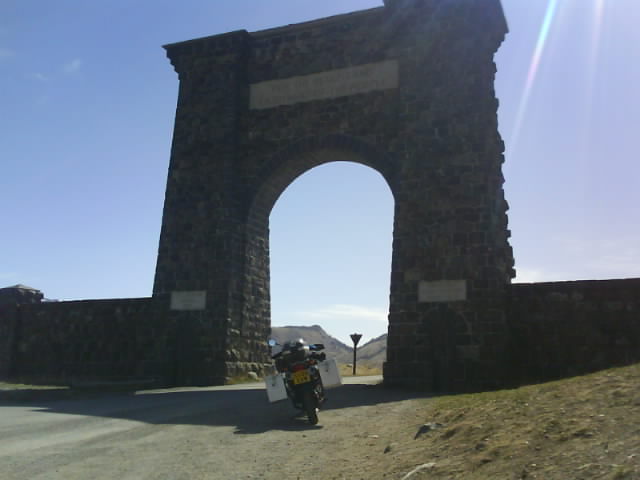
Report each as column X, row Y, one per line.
column 297, row 362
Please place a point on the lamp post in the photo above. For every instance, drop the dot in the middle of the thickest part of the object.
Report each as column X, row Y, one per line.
column 355, row 337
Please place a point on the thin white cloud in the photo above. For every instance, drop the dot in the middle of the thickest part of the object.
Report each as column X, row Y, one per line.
column 585, row 258
column 6, row 53
column 345, row 312
column 38, row 76
column 618, row 261
column 528, row 275
column 601, row 258
column 73, row 66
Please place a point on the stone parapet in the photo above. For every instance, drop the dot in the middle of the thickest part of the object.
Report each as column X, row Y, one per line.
column 560, row 329
column 90, row 340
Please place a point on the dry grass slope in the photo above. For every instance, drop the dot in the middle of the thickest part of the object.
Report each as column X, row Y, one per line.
column 576, row 429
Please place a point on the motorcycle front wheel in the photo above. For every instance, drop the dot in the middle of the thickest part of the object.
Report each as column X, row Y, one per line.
column 309, row 404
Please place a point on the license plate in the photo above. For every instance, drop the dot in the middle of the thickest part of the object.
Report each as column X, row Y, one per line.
column 301, row 377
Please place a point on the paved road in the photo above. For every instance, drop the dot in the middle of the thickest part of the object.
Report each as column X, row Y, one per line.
column 216, row 432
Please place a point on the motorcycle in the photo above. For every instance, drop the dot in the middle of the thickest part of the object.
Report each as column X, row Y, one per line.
column 297, row 363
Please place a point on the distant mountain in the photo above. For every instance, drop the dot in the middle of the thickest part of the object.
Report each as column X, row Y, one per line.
column 315, row 334
column 372, row 353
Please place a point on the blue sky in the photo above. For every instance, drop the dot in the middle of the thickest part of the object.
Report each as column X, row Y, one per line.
column 87, row 103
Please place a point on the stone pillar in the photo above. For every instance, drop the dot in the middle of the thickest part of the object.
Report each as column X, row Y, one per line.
column 202, row 239
column 451, row 257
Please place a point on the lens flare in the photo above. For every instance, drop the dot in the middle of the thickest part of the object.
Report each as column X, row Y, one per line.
column 543, row 36
column 598, row 20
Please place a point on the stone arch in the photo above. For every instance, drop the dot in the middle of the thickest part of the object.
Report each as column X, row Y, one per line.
column 406, row 89
column 275, row 176
column 301, row 157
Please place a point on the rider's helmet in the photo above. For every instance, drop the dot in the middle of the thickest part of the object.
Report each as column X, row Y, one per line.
column 295, row 349
column 293, row 344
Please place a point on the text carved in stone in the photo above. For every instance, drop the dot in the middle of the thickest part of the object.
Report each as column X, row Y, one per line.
column 331, row 84
column 189, row 301
column 442, row 291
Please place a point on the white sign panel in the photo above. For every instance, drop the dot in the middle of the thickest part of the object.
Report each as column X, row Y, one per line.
column 442, row 291
column 331, row 84
column 189, row 301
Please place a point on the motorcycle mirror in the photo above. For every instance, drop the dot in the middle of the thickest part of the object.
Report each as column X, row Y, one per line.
column 272, row 342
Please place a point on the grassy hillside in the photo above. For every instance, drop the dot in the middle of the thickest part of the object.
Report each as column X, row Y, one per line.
column 374, row 352
column 580, row 428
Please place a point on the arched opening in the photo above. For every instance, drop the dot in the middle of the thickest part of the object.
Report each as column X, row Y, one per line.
column 330, row 258
column 338, row 168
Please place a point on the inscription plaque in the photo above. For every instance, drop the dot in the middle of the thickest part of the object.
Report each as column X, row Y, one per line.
column 189, row 301
column 442, row 291
column 330, row 84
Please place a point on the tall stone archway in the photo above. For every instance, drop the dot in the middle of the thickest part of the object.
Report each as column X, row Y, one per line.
column 406, row 89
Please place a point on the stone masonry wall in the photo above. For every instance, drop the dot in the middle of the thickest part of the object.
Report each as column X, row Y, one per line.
column 556, row 330
column 562, row 329
column 8, row 317
column 84, row 341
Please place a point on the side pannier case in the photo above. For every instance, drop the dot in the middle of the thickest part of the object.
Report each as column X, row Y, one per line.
column 276, row 390
column 329, row 373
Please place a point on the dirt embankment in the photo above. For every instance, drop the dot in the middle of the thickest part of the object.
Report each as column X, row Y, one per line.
column 580, row 428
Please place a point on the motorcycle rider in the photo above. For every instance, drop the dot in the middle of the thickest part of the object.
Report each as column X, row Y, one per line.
column 295, row 352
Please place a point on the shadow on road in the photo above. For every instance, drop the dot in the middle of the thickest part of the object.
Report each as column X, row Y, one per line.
column 245, row 409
